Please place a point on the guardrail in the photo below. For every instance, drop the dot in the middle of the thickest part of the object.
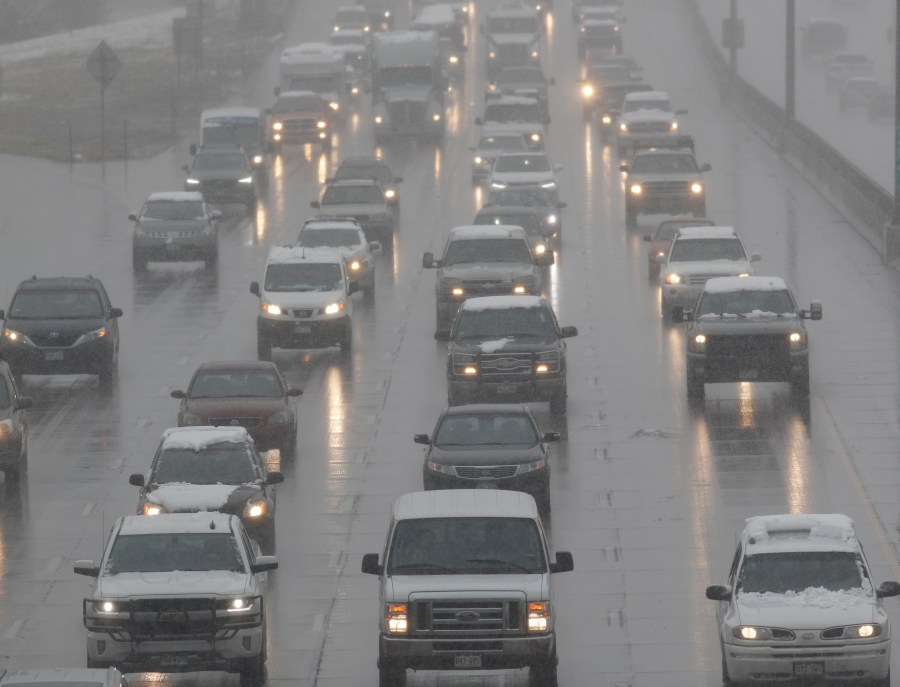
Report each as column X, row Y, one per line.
column 844, row 184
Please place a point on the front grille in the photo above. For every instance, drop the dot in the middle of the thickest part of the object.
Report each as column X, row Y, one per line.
column 485, row 471
column 763, row 346
column 407, row 113
column 667, row 188
column 218, row 186
column 650, row 128
column 361, row 218
column 246, row 422
column 54, row 339
column 515, row 53
column 303, row 314
column 184, row 234
column 468, row 618
column 701, row 279
column 300, row 124
column 168, row 619
column 486, row 287
column 506, row 368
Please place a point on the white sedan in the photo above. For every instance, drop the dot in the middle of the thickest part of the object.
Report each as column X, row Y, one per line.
column 533, row 170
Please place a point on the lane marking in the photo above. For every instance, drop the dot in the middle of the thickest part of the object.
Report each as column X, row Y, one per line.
column 51, row 566
column 88, row 507
column 13, row 629
column 319, row 622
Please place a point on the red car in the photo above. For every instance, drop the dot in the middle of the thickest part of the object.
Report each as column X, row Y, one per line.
column 661, row 239
column 247, row 394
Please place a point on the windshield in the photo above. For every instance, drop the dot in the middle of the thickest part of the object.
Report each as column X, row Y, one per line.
column 776, row 302
column 347, row 16
column 379, row 173
column 794, row 571
column 173, row 210
column 668, row 228
column 224, row 463
column 74, row 304
column 522, row 163
column 404, row 76
column 466, row 546
column 482, row 429
column 242, row 131
column 530, row 223
column 469, row 251
column 608, row 72
column 496, row 323
column 614, row 96
column 325, row 83
column 635, row 104
column 507, row 112
column 531, row 197
column 135, row 553
column 512, row 143
column 305, row 103
column 303, row 276
column 329, row 238
column 687, row 250
column 667, row 163
column 512, row 25
column 520, row 75
column 236, row 384
column 362, row 194
column 220, row 161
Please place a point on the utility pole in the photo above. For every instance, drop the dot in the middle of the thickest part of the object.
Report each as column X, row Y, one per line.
column 733, row 43
column 790, row 61
column 892, row 229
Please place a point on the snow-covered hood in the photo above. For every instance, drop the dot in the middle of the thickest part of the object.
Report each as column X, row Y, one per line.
column 303, row 299
column 529, row 178
column 175, row 583
column 812, row 609
column 717, row 267
column 520, row 344
column 191, row 498
column 508, row 271
column 245, row 406
column 512, row 127
column 415, row 93
column 647, row 116
column 407, row 587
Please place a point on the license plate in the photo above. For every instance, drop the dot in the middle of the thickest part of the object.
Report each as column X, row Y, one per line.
column 174, row 660
column 53, row 355
column 507, row 388
column 303, row 329
column 485, row 485
column 748, row 374
column 809, row 668
column 467, row 661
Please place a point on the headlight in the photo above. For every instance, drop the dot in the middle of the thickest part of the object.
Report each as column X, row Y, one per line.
column 321, row 124
column 492, row 55
column 439, row 467
column 453, row 59
column 153, row 509
column 697, row 343
column 390, row 194
column 387, row 14
column 531, row 467
column 354, row 90
column 465, row 365
column 548, row 184
column 245, row 180
column 335, row 106
column 552, row 219
column 535, row 54
column 333, row 308
column 519, row 290
column 337, row 28
column 674, row 279
column 540, row 249
column 673, row 126
column 606, row 119
column 272, row 309
column 479, row 160
column 797, row 340
column 457, row 291
column 696, row 187
column 763, row 634
column 355, row 266
column 379, row 119
column 90, row 336
column 238, row 604
column 535, row 138
column 498, row 185
column 277, row 126
column 255, row 509
column 395, row 618
column 282, row 417
column 623, row 127
column 257, row 159
column 366, row 29
column 277, row 137
column 6, row 428
column 191, row 181
column 191, row 420
column 106, row 607
column 538, row 616
column 13, row 336
column 435, row 117
column 547, row 361
column 587, row 91
column 863, row 631
column 636, row 189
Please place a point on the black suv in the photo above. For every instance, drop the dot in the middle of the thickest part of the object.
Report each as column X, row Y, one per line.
column 13, row 426
column 747, row 329
column 371, row 167
column 504, row 349
column 61, row 325
column 488, row 447
column 224, row 175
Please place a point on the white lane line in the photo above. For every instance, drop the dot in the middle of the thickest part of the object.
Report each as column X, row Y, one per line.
column 51, row 566
column 319, row 622
column 13, row 630
column 88, row 507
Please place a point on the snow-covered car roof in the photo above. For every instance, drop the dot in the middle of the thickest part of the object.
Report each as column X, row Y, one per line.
column 434, row 15
column 288, row 254
column 254, row 112
column 307, row 53
column 706, row 233
column 198, row 438
column 482, row 303
column 300, row 94
column 465, row 503
column 486, row 231
column 647, row 95
column 751, row 283
column 327, row 223
column 177, row 196
column 177, row 523
column 799, row 532
column 512, row 100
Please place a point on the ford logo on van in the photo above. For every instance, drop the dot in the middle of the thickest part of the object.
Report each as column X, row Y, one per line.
column 468, row 616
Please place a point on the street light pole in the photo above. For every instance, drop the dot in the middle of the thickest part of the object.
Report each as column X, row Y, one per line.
column 733, row 44
column 790, row 61
column 896, row 215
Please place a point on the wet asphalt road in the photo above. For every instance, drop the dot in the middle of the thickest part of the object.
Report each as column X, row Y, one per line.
column 647, row 494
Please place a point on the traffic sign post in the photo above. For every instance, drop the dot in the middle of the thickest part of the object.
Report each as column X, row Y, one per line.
column 103, row 65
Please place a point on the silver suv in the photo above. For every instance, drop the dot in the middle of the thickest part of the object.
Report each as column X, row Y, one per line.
column 175, row 226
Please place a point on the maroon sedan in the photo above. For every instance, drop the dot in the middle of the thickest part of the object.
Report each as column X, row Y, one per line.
column 247, row 394
column 661, row 239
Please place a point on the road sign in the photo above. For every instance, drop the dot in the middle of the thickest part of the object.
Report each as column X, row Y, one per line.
column 104, row 64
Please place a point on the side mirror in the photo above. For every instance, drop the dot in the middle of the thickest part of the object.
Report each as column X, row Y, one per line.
column 623, row 168
column 370, row 564
column 814, row 312
column 215, row 214
column 315, row 204
column 24, row 402
column 374, row 245
column 254, row 288
column 193, row 148
column 178, row 393
column 132, row 217
column 442, row 335
column 115, row 313
column 86, row 568
column 550, row 437
column 561, row 205
column 421, row 439
column 478, row 121
column 136, row 480
column 564, row 562
column 718, row 592
column 648, row 238
column 688, row 315
column 705, row 167
column 293, row 391
column 755, row 257
column 352, row 287
column 677, row 313
column 568, row 332
column 264, row 564
column 888, row 589
column 428, row 261
column 274, row 477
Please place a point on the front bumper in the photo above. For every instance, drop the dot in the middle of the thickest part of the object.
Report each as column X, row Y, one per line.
column 535, row 482
column 225, row 192
column 175, row 248
column 440, row 654
column 651, row 204
column 536, row 389
column 749, row 367
column 659, row 140
column 91, row 357
column 864, row 662
column 302, row 333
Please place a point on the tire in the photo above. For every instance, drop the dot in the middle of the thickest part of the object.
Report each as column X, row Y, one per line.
column 253, row 671
column 369, row 292
column 726, row 679
column 666, row 311
column 263, row 350
column 138, row 260
column 288, row 448
column 630, row 218
column 800, row 385
column 267, row 540
column 391, row 676
column 543, row 674
column 558, row 403
column 93, row 665
column 346, row 341
column 696, row 390
column 211, row 261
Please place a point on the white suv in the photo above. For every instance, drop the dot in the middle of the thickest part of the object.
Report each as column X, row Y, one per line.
column 800, row 602
column 696, row 255
column 305, row 301
column 178, row 593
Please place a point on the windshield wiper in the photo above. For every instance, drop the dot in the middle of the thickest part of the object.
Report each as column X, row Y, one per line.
column 422, row 565
column 498, row 561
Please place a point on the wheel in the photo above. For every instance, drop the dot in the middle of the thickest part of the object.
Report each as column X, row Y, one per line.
column 253, row 671
column 267, row 541
column 138, row 260
column 543, row 674
column 93, row 664
column 696, row 391
column 391, row 676
column 288, row 448
column 108, row 373
column 369, row 292
column 211, row 261
column 630, row 218
column 346, row 341
column 726, row 679
column 558, row 403
column 666, row 311
column 263, row 350
column 800, row 385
